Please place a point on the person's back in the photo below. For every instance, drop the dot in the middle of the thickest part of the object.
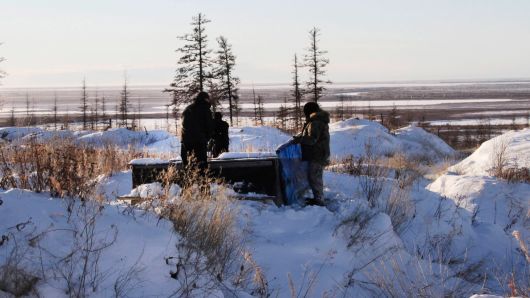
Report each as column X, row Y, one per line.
column 197, row 129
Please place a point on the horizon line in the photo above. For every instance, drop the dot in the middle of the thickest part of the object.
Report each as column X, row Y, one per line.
column 272, row 84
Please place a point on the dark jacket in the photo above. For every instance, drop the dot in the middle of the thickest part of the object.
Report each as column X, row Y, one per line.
column 220, row 135
column 315, row 138
column 197, row 123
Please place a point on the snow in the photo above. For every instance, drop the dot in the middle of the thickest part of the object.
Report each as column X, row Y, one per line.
column 148, row 161
column 256, row 139
column 49, row 216
column 480, row 163
column 462, row 218
column 240, row 155
column 356, row 136
column 416, row 141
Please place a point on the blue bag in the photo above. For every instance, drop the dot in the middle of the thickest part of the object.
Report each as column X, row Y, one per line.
column 294, row 172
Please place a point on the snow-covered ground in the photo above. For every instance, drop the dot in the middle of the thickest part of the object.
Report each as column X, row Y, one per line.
column 450, row 234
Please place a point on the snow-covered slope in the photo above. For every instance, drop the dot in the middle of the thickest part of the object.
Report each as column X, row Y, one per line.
column 517, row 154
column 136, row 255
column 355, row 137
column 490, row 209
column 417, row 142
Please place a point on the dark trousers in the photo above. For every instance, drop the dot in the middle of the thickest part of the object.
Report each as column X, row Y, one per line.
column 198, row 151
column 315, row 173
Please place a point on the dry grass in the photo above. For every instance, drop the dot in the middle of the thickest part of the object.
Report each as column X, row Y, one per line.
column 399, row 207
column 211, row 251
column 500, row 166
column 60, row 166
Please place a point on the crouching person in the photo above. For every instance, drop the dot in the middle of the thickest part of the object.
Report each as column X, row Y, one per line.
column 220, row 140
column 314, row 140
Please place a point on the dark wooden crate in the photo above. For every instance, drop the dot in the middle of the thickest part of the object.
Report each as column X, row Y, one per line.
column 248, row 176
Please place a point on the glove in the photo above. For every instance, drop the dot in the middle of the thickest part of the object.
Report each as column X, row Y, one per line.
column 290, row 142
column 297, row 139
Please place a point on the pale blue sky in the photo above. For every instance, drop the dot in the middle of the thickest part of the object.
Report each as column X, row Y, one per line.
column 58, row 42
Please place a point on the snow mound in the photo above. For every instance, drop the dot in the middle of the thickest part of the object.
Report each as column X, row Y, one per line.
column 416, row 141
column 14, row 133
column 517, row 144
column 256, row 139
column 123, row 137
column 355, row 137
column 492, row 201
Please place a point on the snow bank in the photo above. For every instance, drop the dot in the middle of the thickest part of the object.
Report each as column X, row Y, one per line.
column 416, row 141
column 486, row 209
column 355, row 136
column 123, row 137
column 517, row 144
column 256, row 139
column 142, row 242
column 15, row 133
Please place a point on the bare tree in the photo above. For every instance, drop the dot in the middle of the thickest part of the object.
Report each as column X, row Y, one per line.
column 29, row 115
column 55, row 109
column 261, row 110
column 282, row 115
column 12, row 118
column 316, row 62
column 225, row 63
column 84, row 104
column 340, row 111
column 66, row 119
column 255, row 101
column 297, row 95
column 96, row 110
column 117, row 114
column 393, row 120
column 258, row 108
column 91, row 118
column 237, row 109
column 103, row 108
column 124, row 104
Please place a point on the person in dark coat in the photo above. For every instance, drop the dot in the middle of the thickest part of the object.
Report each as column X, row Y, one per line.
column 220, row 138
column 314, row 140
column 197, row 129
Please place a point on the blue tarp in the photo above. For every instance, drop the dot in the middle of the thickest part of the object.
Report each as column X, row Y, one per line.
column 294, row 172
